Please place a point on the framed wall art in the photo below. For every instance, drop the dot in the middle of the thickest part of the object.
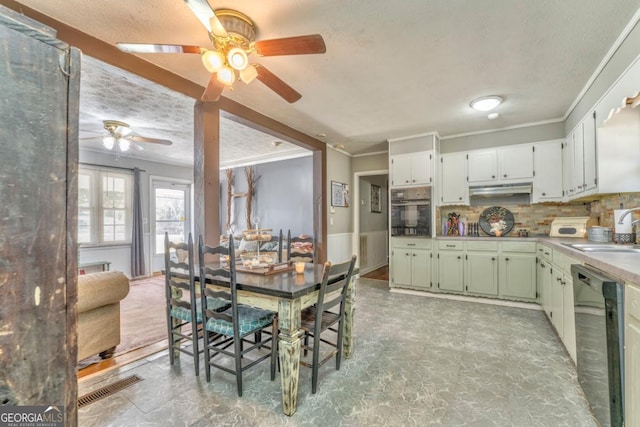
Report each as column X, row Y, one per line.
column 339, row 194
column 376, row 196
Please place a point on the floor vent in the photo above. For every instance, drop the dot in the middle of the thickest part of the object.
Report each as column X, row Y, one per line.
column 363, row 250
column 108, row 390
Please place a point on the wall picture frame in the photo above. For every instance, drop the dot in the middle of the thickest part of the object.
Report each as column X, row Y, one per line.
column 376, row 197
column 339, row 194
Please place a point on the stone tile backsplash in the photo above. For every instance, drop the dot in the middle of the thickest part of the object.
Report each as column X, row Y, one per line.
column 537, row 218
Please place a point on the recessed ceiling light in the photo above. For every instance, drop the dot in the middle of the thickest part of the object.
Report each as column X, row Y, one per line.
column 486, row 103
column 321, row 135
column 492, row 116
column 276, row 143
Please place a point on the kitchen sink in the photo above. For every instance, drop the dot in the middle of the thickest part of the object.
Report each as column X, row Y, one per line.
column 619, row 249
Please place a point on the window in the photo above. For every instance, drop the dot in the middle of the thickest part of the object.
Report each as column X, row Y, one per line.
column 172, row 208
column 104, row 207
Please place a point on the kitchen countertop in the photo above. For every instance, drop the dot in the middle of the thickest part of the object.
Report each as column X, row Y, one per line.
column 624, row 267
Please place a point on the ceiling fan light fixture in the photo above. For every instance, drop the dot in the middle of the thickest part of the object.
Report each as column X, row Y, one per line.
column 108, row 142
column 248, row 74
column 486, row 103
column 237, row 58
column 226, row 76
column 213, row 61
column 124, row 144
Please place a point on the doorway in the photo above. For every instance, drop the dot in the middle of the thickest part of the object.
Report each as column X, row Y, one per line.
column 371, row 219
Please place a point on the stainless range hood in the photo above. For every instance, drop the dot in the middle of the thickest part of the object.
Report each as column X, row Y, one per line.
column 500, row 190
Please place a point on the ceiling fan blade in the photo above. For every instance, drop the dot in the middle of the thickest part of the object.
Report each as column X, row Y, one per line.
column 207, row 16
column 92, row 138
column 157, row 48
column 274, row 83
column 137, row 147
column 152, row 140
column 300, row 45
column 214, row 89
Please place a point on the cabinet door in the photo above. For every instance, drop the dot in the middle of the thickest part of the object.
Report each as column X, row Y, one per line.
column 450, row 271
column 421, row 268
column 557, row 302
column 518, row 276
column 547, row 183
column 421, row 168
column 589, row 155
column 568, row 319
column 454, row 179
column 578, row 159
column 400, row 170
column 481, row 273
column 401, row 267
column 483, row 166
column 543, row 277
column 516, row 162
column 567, row 167
column 632, row 371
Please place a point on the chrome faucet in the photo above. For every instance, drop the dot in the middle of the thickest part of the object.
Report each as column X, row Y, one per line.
column 625, row 213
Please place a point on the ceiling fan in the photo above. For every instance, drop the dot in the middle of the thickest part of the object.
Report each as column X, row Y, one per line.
column 232, row 34
column 121, row 138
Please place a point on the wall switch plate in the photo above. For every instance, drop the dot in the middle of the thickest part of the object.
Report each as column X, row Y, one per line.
column 331, row 221
column 332, row 209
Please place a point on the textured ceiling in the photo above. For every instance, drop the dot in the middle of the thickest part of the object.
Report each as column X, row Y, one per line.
column 392, row 68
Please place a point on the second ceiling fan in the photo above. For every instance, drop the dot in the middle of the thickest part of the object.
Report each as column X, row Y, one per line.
column 232, row 34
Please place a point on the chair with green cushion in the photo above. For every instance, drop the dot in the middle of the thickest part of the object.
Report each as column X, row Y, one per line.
column 331, row 306
column 182, row 312
column 227, row 333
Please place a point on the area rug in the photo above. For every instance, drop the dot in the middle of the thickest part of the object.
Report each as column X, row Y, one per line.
column 142, row 317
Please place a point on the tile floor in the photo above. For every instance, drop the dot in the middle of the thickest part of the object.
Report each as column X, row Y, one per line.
column 418, row 361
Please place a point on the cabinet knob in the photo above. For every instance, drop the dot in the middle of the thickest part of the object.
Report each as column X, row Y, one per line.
column 493, row 259
column 505, row 175
column 414, row 254
column 506, row 259
column 543, row 266
column 459, row 198
column 544, row 194
column 413, row 180
column 559, row 279
column 493, row 176
column 459, row 257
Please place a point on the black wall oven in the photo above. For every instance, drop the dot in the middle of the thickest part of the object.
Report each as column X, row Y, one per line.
column 411, row 212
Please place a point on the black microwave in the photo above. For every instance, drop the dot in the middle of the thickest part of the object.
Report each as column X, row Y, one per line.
column 411, row 212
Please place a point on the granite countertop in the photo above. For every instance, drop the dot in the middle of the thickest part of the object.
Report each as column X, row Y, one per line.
column 621, row 266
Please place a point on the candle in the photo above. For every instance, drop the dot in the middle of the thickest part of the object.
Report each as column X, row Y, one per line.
column 300, row 267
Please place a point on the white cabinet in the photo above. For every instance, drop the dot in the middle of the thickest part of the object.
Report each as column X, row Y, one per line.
column 481, row 273
column 503, row 165
column 589, row 153
column 411, row 263
column 450, row 260
column 562, row 311
column 482, row 165
column 412, row 169
column 516, row 162
column 547, row 180
column 454, row 189
column 632, row 355
column 517, row 266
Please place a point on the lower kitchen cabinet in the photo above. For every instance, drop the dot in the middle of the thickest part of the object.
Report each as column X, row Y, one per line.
column 562, row 313
column 632, row 355
column 481, row 272
column 411, row 263
column 517, row 267
column 543, row 277
column 450, row 271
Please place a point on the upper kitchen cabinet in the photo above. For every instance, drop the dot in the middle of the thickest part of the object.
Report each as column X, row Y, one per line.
column 510, row 164
column 579, row 159
column 411, row 160
column 454, row 188
column 412, row 169
column 547, row 182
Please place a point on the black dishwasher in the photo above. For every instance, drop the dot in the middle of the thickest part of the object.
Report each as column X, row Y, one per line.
column 598, row 303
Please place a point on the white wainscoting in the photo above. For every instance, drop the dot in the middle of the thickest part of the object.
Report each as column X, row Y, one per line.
column 339, row 247
column 119, row 256
column 373, row 250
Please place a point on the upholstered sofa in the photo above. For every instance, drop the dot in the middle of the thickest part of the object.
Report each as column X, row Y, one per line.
column 99, row 296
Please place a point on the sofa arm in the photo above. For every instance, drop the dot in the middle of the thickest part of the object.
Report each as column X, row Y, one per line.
column 100, row 289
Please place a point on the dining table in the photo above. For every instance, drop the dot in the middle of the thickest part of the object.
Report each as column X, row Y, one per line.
column 288, row 293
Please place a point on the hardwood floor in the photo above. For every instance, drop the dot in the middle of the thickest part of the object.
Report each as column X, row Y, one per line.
column 119, row 361
column 381, row 273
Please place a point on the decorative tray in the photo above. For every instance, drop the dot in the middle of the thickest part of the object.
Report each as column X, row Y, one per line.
column 260, row 234
column 267, row 269
column 496, row 221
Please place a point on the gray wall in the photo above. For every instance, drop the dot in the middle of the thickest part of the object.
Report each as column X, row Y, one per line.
column 339, row 169
column 370, row 221
column 370, row 163
column 499, row 138
column 626, row 53
column 283, row 196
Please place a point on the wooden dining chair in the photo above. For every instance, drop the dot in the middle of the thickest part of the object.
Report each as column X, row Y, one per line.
column 227, row 332
column 327, row 315
column 184, row 316
column 301, row 248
